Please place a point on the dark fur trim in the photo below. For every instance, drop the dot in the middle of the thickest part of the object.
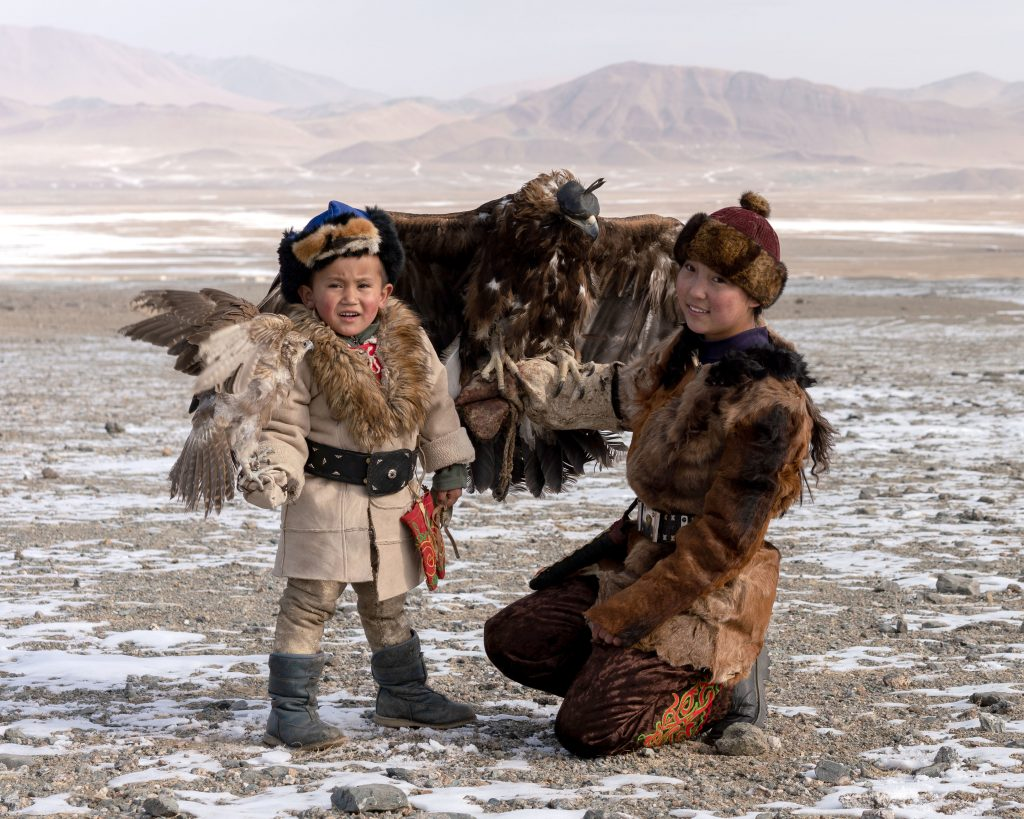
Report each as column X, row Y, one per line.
column 785, row 365
column 293, row 274
column 681, row 358
column 392, row 254
column 686, row 235
column 761, row 362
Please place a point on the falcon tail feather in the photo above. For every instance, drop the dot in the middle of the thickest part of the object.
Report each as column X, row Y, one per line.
column 204, row 472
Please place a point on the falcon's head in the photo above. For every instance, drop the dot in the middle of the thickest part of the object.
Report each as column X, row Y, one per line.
column 293, row 349
column 558, row 200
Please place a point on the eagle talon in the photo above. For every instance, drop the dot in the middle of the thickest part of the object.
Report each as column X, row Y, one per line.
column 496, row 366
column 570, row 368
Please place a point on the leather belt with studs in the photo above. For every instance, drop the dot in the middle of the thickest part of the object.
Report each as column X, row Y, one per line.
column 382, row 473
column 661, row 527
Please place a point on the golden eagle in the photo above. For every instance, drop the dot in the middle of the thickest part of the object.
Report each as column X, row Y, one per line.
column 533, row 273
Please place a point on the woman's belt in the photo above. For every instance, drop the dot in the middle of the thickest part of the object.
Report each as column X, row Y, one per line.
column 382, row 473
column 661, row 527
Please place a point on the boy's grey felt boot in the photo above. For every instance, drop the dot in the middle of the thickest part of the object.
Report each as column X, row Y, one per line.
column 748, row 700
column 404, row 700
column 294, row 720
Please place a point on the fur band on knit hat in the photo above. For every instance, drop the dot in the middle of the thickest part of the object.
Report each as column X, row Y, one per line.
column 740, row 245
column 341, row 230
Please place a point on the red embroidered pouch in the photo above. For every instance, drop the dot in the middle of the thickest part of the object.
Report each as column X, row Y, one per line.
column 426, row 532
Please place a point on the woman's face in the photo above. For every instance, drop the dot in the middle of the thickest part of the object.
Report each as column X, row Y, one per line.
column 710, row 305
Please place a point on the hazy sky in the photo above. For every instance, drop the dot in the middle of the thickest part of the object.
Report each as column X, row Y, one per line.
column 445, row 48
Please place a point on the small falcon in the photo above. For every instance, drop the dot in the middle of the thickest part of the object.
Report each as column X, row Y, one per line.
column 245, row 362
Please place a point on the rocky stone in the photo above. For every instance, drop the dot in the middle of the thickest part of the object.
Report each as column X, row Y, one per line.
column 162, row 805
column 49, row 473
column 449, row 816
column 742, row 739
column 991, row 724
column 878, row 813
column 12, row 761
column 896, row 680
column 956, row 584
column 835, row 773
column 113, row 427
column 606, row 814
column 400, row 773
column 369, row 798
column 946, row 755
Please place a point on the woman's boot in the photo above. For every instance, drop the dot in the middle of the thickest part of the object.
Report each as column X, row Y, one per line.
column 404, row 699
column 294, row 720
column 748, row 700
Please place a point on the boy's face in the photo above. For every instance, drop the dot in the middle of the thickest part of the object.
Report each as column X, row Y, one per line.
column 348, row 293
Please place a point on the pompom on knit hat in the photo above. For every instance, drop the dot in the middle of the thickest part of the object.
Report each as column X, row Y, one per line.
column 740, row 245
column 341, row 230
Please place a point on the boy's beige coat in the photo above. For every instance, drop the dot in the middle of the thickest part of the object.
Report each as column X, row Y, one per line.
column 336, row 531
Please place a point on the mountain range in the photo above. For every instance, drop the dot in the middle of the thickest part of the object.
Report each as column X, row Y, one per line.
column 88, row 99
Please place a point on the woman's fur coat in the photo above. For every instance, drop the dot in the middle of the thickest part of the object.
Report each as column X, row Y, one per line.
column 723, row 442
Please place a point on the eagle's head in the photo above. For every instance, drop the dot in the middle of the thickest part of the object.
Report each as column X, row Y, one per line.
column 557, row 199
column 579, row 206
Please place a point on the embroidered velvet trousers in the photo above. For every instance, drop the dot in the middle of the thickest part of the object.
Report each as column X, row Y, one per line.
column 615, row 699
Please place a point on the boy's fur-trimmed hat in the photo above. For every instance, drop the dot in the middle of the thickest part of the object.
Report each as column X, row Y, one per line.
column 740, row 245
column 341, row 230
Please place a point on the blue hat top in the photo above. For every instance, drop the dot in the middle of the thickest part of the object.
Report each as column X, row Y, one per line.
column 334, row 210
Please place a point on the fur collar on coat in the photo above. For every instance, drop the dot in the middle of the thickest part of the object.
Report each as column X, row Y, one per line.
column 375, row 412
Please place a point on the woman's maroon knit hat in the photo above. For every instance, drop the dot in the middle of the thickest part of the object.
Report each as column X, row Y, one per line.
column 740, row 244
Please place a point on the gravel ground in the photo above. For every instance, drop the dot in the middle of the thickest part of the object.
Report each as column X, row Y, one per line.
column 133, row 637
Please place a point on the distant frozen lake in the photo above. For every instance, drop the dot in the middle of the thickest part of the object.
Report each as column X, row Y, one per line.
column 117, row 244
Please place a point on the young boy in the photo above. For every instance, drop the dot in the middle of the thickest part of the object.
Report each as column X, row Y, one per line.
column 343, row 448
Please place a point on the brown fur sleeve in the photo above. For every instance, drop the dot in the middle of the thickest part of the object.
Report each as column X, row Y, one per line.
column 711, row 550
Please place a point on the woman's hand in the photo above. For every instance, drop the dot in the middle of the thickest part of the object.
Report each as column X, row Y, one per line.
column 446, row 498
column 602, row 636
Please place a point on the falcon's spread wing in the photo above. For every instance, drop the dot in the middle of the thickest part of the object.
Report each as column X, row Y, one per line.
column 634, row 274
column 184, row 319
column 245, row 362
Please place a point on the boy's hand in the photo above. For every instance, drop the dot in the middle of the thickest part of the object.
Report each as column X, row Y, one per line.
column 272, row 491
column 446, row 498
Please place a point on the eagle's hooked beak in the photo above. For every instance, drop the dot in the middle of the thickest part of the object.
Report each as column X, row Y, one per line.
column 588, row 225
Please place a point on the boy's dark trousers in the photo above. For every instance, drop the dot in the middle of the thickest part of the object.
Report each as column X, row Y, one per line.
column 615, row 699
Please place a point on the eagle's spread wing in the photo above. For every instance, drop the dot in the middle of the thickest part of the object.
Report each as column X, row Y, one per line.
column 245, row 362
column 627, row 274
column 439, row 254
column 634, row 275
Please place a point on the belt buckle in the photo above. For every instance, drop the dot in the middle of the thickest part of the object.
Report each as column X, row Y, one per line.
column 650, row 521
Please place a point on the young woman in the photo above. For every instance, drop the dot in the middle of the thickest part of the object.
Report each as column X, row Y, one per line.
column 661, row 639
